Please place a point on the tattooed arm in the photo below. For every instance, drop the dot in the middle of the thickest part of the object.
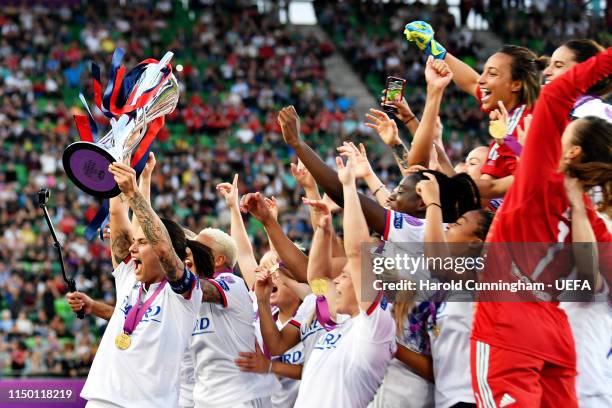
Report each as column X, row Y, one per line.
column 210, row 293
column 400, row 153
column 387, row 130
column 152, row 227
column 144, row 185
column 121, row 230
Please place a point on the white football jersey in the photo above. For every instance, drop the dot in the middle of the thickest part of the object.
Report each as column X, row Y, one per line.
column 588, row 105
column 286, row 396
column 450, row 351
column 187, row 379
column 591, row 325
column 222, row 331
column 402, row 388
column 348, row 363
column 146, row 374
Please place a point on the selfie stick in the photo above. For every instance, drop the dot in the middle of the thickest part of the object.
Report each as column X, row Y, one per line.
column 43, row 197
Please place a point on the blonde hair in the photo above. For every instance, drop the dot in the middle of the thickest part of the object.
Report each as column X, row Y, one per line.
column 223, row 243
column 189, row 234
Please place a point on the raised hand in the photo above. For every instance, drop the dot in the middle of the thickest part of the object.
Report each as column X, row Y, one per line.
column 148, row 168
column 333, row 207
column 346, row 172
column 125, row 176
column 437, row 73
column 255, row 204
column 429, row 190
column 362, row 166
column 384, row 126
column 273, row 206
column 289, row 122
column 498, row 122
column 229, row 192
column 574, row 192
column 522, row 131
column 263, row 284
column 302, row 175
column 319, row 206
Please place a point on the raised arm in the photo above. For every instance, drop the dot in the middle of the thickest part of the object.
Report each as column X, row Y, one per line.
column 422, row 35
column 464, row 76
column 276, row 341
column 356, row 233
column 542, row 150
column 323, row 174
column 291, row 255
column 387, row 130
column 305, row 179
column 246, row 256
column 144, row 184
column 363, row 170
column 438, row 77
column 121, row 236
column 320, row 259
column 436, row 245
column 152, row 227
column 584, row 242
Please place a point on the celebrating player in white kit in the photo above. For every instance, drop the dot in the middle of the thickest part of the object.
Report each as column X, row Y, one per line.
column 137, row 363
column 349, row 362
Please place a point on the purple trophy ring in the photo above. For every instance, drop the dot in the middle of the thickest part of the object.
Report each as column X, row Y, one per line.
column 86, row 164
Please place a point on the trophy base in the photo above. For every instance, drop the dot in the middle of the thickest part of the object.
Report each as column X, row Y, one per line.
column 86, row 164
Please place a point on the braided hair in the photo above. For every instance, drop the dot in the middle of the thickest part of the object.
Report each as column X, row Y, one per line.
column 458, row 194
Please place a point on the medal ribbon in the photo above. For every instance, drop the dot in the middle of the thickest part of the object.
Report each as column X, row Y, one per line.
column 515, row 118
column 323, row 314
column 137, row 311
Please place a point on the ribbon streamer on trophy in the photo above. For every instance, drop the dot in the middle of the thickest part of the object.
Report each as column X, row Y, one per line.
column 136, row 104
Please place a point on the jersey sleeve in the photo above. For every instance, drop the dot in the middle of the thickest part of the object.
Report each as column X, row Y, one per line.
column 305, row 311
column 542, row 150
column 234, row 293
column 401, row 227
column 376, row 325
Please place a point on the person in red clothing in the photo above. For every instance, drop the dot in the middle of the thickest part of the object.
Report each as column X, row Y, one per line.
column 523, row 353
column 512, row 76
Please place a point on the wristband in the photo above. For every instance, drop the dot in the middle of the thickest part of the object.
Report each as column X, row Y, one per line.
column 185, row 283
column 410, row 120
column 436, row 204
column 378, row 189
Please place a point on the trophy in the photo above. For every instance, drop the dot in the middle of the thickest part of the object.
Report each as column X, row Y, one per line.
column 149, row 92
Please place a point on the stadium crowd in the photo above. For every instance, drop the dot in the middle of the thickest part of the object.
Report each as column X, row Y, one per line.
column 239, row 67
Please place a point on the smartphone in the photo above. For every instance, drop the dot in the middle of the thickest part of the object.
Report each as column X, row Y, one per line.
column 394, row 93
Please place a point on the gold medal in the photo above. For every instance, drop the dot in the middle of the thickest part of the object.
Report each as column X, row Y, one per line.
column 436, row 331
column 123, row 341
column 497, row 129
column 319, row 287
